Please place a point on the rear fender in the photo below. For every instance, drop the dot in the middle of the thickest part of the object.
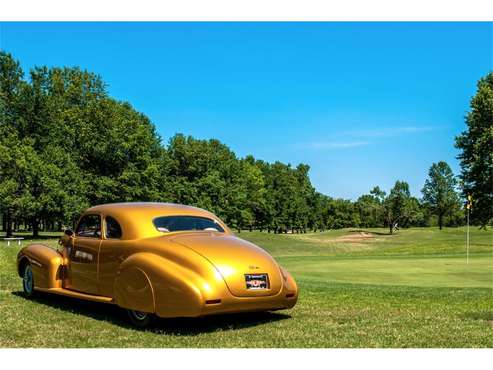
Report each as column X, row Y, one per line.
column 290, row 287
column 46, row 265
column 151, row 283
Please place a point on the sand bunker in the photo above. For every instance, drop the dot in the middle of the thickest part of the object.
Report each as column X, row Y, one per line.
column 355, row 237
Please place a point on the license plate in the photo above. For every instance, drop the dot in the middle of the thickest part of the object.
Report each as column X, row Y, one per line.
column 256, row 281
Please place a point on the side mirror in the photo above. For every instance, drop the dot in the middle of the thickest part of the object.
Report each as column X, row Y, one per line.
column 67, row 239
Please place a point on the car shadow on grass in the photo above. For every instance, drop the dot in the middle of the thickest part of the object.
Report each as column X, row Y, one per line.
column 176, row 326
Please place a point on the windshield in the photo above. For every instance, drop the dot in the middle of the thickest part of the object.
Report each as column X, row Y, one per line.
column 168, row 224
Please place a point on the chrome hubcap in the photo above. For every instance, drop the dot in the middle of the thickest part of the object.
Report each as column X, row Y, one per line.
column 139, row 315
column 28, row 280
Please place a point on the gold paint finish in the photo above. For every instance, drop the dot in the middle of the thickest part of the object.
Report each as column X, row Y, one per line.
column 219, row 250
column 171, row 274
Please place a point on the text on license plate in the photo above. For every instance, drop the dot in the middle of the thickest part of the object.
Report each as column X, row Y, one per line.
column 257, row 281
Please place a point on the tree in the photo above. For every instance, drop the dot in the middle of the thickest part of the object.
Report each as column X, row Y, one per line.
column 254, row 185
column 371, row 209
column 283, row 190
column 439, row 190
column 414, row 213
column 12, row 163
column 341, row 213
column 66, row 144
column 317, row 204
column 476, row 157
column 265, row 219
column 398, row 205
column 207, row 174
column 11, row 84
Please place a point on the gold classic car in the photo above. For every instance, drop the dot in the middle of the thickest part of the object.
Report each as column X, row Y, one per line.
column 160, row 259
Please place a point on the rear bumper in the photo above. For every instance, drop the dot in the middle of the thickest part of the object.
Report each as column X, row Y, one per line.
column 228, row 303
column 248, row 304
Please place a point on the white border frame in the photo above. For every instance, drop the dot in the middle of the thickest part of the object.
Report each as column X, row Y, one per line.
column 251, row 10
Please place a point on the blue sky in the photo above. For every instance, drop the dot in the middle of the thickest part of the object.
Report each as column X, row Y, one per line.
column 363, row 104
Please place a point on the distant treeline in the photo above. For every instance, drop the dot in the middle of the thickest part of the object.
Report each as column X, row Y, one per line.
column 65, row 145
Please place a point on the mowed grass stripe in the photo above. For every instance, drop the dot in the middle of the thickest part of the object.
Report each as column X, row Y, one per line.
column 425, row 272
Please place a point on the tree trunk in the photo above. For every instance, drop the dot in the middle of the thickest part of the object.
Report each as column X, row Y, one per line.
column 8, row 227
column 35, row 224
column 391, row 227
column 440, row 220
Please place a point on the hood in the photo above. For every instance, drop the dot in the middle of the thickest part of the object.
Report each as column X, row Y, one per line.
column 234, row 258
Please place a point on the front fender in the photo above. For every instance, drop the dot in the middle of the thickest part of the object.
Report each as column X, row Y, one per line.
column 151, row 283
column 45, row 262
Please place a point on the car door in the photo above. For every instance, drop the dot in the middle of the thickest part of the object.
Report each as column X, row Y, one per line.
column 83, row 269
column 113, row 251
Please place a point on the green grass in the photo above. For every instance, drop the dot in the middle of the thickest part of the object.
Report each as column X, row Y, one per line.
column 412, row 289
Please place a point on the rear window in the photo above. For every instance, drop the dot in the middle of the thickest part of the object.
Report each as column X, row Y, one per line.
column 168, row 224
column 113, row 229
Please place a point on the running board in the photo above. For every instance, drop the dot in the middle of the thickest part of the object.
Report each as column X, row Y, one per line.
column 74, row 294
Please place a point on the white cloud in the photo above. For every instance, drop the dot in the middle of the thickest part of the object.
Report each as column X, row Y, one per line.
column 332, row 145
column 357, row 138
column 389, row 131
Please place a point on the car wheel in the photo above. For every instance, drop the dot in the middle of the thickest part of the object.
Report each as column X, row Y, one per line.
column 139, row 319
column 28, row 281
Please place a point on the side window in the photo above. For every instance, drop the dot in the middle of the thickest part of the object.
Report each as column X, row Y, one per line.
column 113, row 229
column 89, row 226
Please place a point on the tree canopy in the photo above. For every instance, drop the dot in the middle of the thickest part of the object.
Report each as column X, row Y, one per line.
column 476, row 157
column 439, row 192
column 400, row 208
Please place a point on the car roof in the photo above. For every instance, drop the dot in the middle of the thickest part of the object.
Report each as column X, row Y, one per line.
column 144, row 206
column 136, row 217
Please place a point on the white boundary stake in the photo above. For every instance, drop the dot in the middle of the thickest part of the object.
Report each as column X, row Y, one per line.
column 8, row 240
